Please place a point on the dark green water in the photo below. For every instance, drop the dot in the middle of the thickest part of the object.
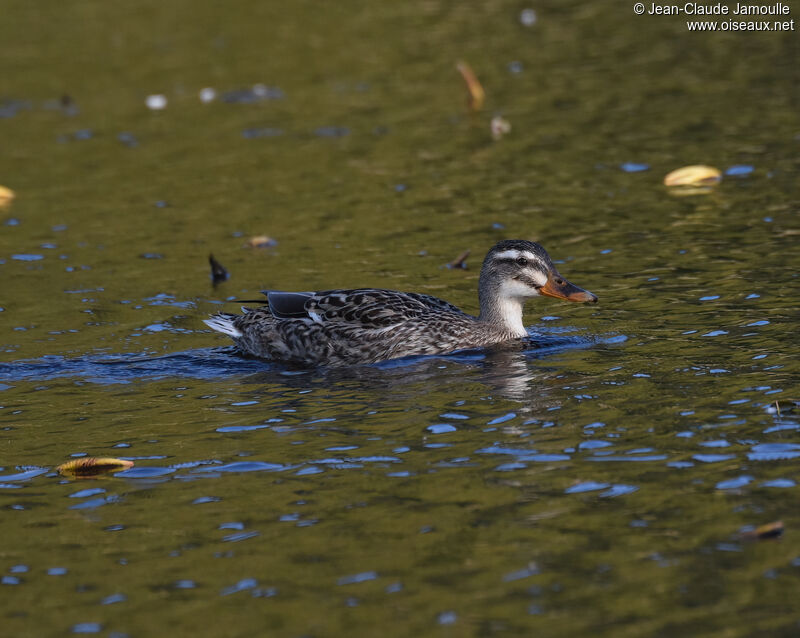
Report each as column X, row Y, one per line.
column 596, row 487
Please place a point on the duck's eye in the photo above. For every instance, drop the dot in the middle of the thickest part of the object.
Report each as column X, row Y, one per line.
column 521, row 261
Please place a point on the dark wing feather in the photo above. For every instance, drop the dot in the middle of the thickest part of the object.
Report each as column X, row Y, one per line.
column 288, row 305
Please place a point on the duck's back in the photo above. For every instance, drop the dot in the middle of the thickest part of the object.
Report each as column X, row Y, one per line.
column 341, row 327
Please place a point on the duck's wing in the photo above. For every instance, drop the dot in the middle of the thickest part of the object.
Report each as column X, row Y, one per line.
column 369, row 307
column 434, row 303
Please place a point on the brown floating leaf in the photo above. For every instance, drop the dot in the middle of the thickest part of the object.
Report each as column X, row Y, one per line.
column 90, row 465
column 499, row 126
column 6, row 195
column 696, row 175
column 218, row 271
column 476, row 94
column 460, row 261
column 770, row 530
column 261, row 241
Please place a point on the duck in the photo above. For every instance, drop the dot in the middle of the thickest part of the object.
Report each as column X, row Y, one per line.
column 370, row 325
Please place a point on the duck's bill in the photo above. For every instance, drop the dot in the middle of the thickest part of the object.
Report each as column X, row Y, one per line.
column 560, row 288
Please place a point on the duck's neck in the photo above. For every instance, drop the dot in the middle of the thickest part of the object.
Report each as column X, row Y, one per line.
column 501, row 308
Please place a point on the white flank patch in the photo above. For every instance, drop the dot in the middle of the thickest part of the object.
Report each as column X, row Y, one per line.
column 223, row 325
column 315, row 317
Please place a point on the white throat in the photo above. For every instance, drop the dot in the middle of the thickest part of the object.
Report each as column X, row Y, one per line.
column 501, row 305
column 509, row 310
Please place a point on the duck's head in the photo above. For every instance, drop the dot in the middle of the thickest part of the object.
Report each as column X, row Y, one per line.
column 515, row 270
column 524, row 269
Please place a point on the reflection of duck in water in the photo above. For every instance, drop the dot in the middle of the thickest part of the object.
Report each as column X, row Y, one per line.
column 367, row 325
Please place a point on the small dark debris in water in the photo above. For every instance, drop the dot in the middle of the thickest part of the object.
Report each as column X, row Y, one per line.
column 257, row 93
column 459, row 262
column 252, row 133
column 65, row 104
column 515, row 66
column 332, row 131
column 763, row 532
column 68, row 106
column 261, row 241
column 400, row 188
column 161, row 203
column 83, row 134
column 218, row 271
column 151, row 256
column 128, row 139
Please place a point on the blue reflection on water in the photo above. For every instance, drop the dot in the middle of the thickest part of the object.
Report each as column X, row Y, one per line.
column 222, row 362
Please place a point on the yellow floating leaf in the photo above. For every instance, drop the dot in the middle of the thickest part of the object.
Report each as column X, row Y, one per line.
column 476, row 94
column 696, row 175
column 6, row 195
column 499, row 126
column 261, row 241
column 90, row 465
column 770, row 530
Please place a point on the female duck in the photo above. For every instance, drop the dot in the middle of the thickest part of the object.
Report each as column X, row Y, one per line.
column 367, row 325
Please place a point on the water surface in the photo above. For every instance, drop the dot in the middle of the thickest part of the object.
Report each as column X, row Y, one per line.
column 594, row 480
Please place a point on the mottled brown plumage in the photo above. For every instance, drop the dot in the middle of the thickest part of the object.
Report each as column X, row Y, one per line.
column 367, row 325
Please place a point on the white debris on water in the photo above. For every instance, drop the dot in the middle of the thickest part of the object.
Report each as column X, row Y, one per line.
column 207, row 95
column 156, row 102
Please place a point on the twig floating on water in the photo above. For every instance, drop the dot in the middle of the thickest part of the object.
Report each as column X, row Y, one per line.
column 459, row 262
column 476, row 94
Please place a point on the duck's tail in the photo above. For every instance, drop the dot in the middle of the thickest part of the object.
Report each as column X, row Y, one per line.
column 222, row 322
